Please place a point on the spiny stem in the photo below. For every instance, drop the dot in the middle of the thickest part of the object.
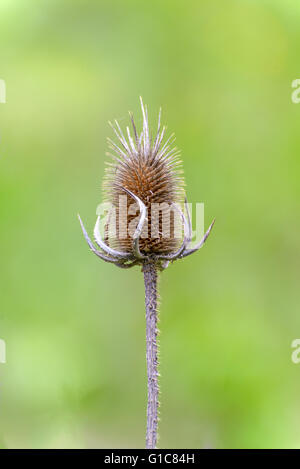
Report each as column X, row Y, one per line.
column 150, row 279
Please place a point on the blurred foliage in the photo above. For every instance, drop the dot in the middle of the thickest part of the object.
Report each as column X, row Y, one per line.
column 74, row 326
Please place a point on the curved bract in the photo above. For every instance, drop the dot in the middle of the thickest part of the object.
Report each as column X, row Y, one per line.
column 149, row 173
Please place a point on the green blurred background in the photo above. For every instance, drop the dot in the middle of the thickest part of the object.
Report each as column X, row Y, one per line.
column 74, row 326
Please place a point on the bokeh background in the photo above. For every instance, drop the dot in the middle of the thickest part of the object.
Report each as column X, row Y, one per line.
column 74, row 326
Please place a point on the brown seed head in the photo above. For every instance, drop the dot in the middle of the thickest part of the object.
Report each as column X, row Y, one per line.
column 150, row 169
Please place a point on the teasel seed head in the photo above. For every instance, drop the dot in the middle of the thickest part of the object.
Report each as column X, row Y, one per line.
column 150, row 168
column 147, row 172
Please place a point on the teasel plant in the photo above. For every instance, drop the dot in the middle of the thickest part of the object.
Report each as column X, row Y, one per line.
column 148, row 171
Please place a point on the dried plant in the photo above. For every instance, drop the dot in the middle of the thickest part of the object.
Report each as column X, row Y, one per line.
column 149, row 172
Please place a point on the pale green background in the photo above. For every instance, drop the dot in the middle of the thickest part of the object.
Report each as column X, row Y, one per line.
column 74, row 326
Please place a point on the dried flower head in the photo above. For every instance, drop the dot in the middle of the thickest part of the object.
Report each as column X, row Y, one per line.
column 148, row 173
column 151, row 170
